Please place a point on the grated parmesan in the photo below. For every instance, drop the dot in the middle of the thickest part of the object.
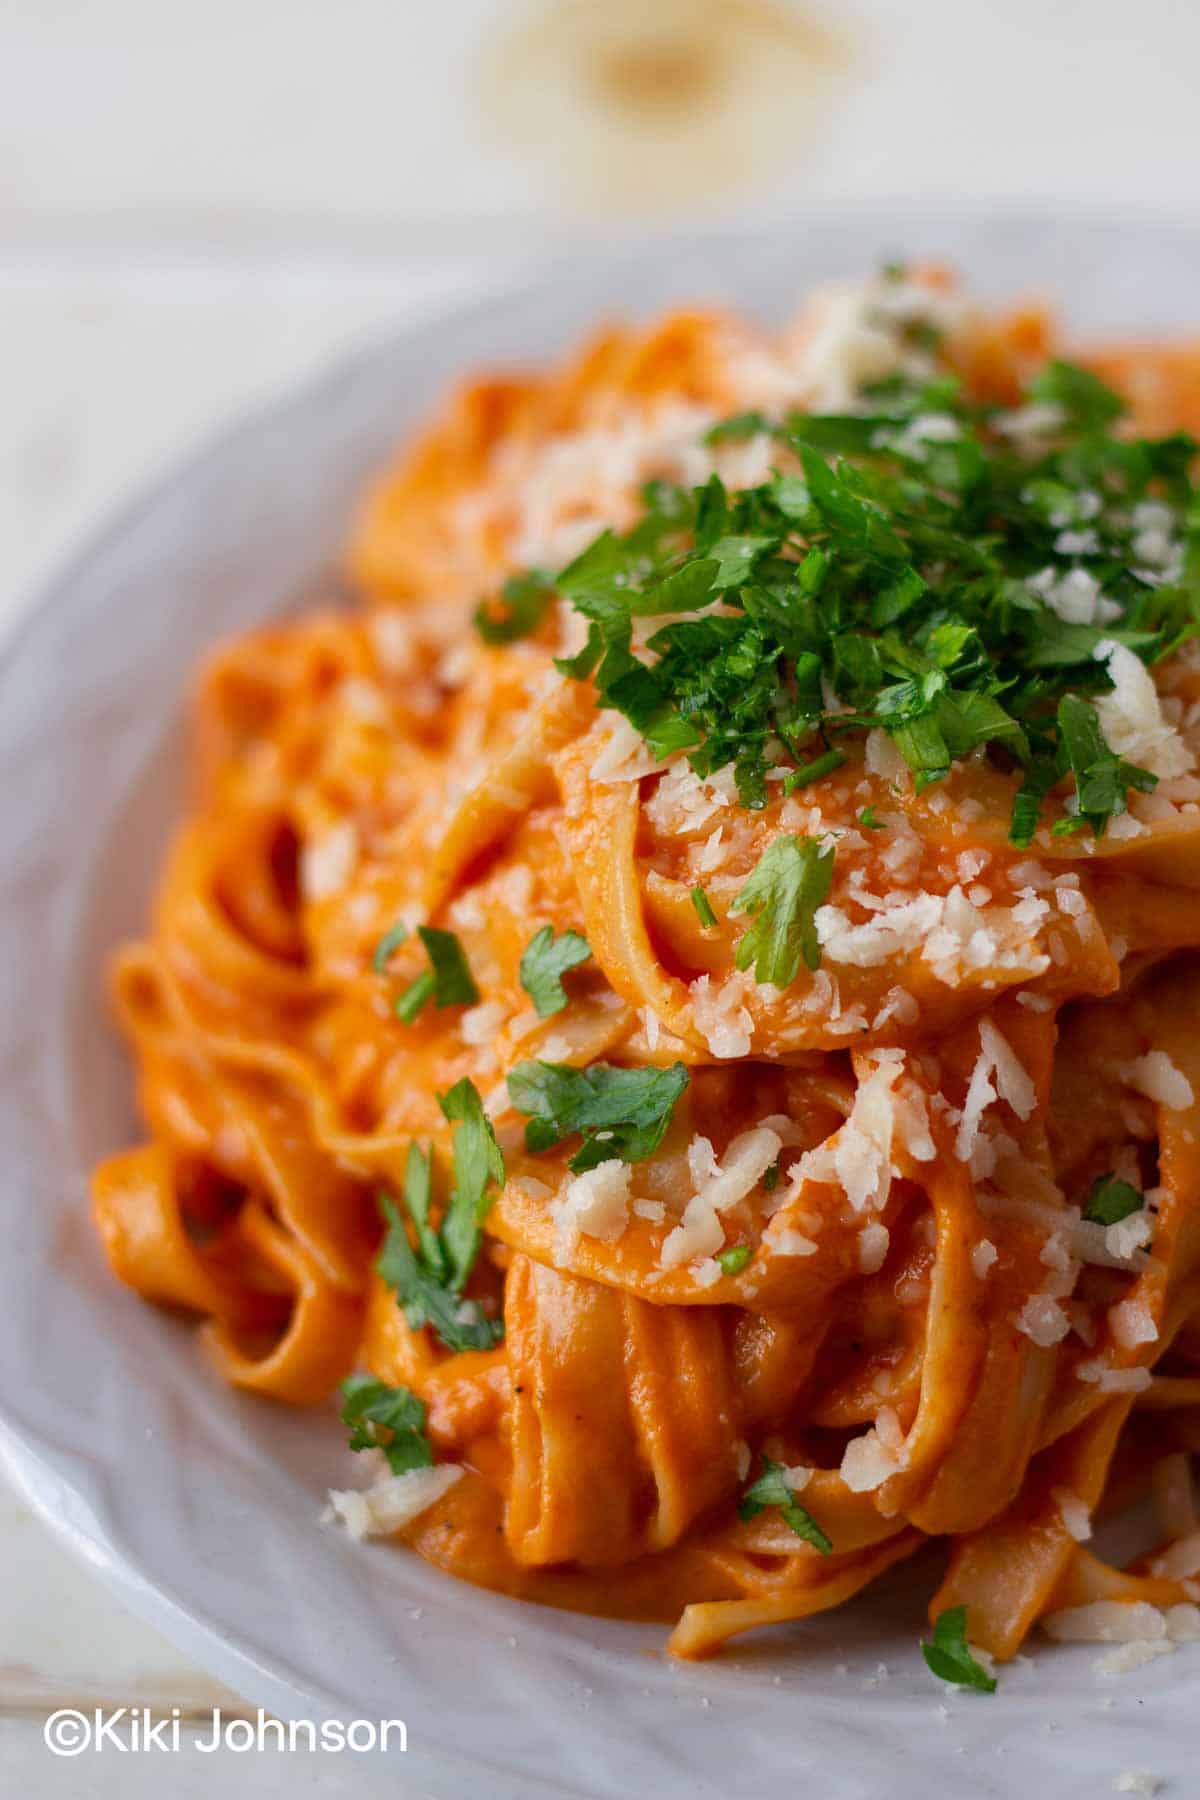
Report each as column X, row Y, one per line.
column 1156, row 1076
column 327, row 863
column 390, row 1504
column 1074, row 1513
column 595, row 1203
column 1131, row 716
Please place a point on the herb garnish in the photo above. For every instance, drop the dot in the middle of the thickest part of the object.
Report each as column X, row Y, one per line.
column 772, row 1489
column 620, row 1113
column 734, row 1260
column 704, row 908
column 388, row 944
column 896, row 578
column 428, row 1280
column 368, row 1405
column 524, row 599
column 448, row 980
column 545, row 962
column 790, row 882
column 1112, row 1200
column 949, row 1656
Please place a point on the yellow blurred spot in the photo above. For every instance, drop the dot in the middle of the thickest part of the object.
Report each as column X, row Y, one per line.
column 647, row 106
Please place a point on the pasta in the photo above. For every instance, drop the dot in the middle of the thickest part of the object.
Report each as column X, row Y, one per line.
column 681, row 1000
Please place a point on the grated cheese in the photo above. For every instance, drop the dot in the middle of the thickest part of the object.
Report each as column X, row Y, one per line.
column 721, row 1015
column 390, row 1504
column 1114, row 1381
column 1043, row 1319
column 1181, row 1561
column 327, row 863
column 786, row 1242
column 953, row 937
column 1131, row 717
column 873, row 1243
column 1156, row 1076
column 719, row 1185
column 1131, row 1324
column 595, row 1203
column 873, row 1458
column 983, row 1257
column 624, row 755
column 1013, row 1084
column 479, row 1024
column 858, row 1157
column 1074, row 1513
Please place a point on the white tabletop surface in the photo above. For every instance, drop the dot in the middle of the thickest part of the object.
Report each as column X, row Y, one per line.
column 199, row 204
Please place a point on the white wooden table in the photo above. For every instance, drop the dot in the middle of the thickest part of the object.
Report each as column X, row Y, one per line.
column 199, row 204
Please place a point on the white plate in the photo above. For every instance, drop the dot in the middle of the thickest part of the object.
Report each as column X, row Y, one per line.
column 199, row 1505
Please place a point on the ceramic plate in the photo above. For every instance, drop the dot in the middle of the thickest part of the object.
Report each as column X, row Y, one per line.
column 201, row 1506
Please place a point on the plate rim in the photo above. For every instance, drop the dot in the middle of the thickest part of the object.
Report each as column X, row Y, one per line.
column 55, row 1500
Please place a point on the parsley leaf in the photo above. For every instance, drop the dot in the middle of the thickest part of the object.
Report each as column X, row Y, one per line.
column 1101, row 778
column 734, row 1260
column 816, row 770
column 771, row 1489
column 618, row 1112
column 428, row 1280
column 448, row 981
column 478, row 1165
column 790, row 882
column 870, row 819
column 1112, row 1200
column 524, row 599
column 545, row 962
column 387, row 945
column 369, row 1406
column 949, row 1656
column 1083, row 397
column 704, row 908
column 737, row 429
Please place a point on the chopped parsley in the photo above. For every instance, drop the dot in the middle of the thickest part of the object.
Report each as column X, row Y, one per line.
column 816, row 770
column 704, row 908
column 771, row 1489
column 619, row 1113
column 447, row 981
column 871, row 819
column 428, row 1280
column 545, row 962
column 478, row 1167
column 1112, row 1200
column 734, row 1260
column 369, row 1406
column 896, row 573
column 523, row 603
column 388, row 944
column 790, row 882
column 949, row 1656
column 1101, row 778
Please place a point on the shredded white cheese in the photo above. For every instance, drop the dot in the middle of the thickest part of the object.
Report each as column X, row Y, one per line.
column 870, row 1460
column 859, row 1155
column 1156, row 1076
column 1131, row 716
column 327, row 863
column 390, row 1504
column 595, row 1203
column 1074, row 1513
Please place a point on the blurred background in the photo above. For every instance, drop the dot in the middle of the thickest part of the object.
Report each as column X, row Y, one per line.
column 199, row 204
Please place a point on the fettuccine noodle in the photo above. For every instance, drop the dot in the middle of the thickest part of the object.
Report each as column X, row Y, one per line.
column 859, row 1256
